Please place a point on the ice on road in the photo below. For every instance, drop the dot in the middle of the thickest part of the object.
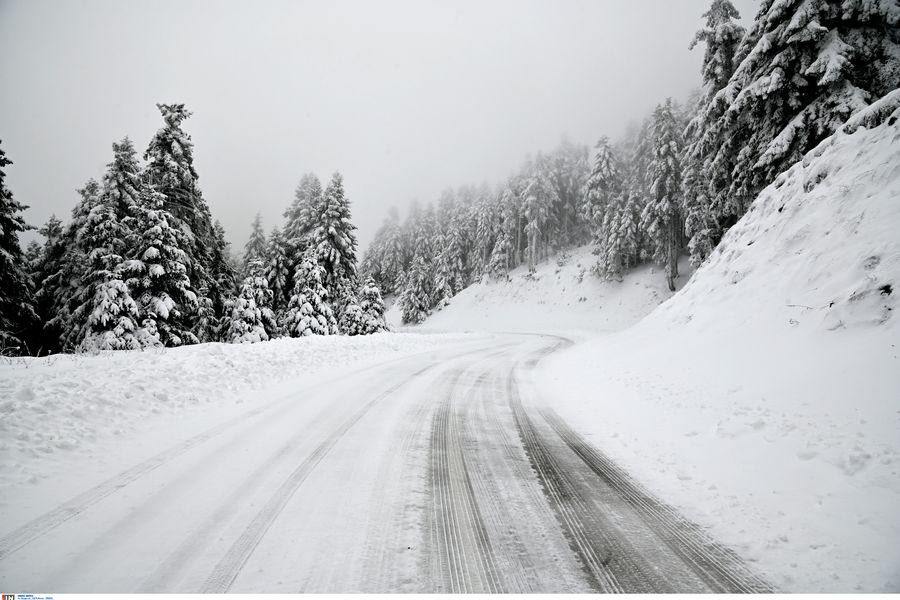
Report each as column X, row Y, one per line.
column 438, row 472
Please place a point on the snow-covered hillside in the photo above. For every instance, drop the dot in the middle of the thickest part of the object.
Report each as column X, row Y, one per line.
column 763, row 399
column 561, row 296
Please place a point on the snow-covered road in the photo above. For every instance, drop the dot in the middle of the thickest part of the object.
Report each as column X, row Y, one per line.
column 437, row 472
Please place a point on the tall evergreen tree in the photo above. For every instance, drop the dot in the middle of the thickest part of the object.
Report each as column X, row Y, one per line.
column 308, row 310
column 721, row 35
column 662, row 215
column 17, row 313
column 158, row 273
column 170, row 170
column 277, row 270
column 255, row 249
column 372, row 306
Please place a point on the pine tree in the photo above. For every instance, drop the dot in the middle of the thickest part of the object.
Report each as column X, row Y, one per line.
column 263, row 298
column 157, row 272
column 277, row 270
column 537, row 209
column 372, row 305
column 17, row 313
column 102, row 239
column 500, row 257
column 415, row 300
column 170, row 170
column 721, row 35
column 661, row 217
column 334, row 237
column 308, row 310
column 802, row 69
column 303, row 213
column 67, row 287
column 113, row 321
column 255, row 249
column 246, row 321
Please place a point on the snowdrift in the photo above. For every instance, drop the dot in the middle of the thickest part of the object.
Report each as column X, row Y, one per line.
column 763, row 399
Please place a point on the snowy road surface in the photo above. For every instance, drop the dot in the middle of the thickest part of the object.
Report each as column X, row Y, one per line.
column 438, row 472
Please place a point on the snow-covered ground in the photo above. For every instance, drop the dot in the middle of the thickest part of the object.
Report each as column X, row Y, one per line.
column 562, row 296
column 66, row 408
column 763, row 399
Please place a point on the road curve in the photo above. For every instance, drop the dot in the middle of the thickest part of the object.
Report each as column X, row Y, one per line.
column 440, row 472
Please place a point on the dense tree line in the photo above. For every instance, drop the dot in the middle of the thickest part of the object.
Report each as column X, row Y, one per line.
column 674, row 184
column 142, row 263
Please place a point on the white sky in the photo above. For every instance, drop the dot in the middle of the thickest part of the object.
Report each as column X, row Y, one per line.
column 405, row 98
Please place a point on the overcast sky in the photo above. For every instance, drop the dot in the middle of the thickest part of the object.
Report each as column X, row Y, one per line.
column 404, row 98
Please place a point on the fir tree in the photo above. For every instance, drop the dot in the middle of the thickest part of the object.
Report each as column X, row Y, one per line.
column 500, row 257
column 102, row 240
column 246, row 321
column 661, row 217
column 67, row 287
column 721, row 35
column 372, row 305
column 277, row 270
column 334, row 238
column 17, row 313
column 170, row 170
column 308, row 310
column 255, row 249
column 802, row 69
column 415, row 300
column 113, row 321
column 158, row 274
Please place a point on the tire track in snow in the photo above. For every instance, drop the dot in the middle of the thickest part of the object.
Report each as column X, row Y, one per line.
column 460, row 543
column 229, row 567
column 717, row 565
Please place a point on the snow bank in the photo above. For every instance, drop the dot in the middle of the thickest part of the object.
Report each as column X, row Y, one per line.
column 763, row 399
column 68, row 403
column 561, row 296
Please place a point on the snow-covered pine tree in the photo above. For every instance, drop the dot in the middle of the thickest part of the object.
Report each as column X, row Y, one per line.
column 721, row 35
column 262, row 297
column 66, row 287
column 170, row 171
column 17, row 313
column 157, row 272
column 302, row 215
column 384, row 258
column 102, row 239
column 415, row 300
column 212, row 305
column 334, row 236
column 255, row 249
column 601, row 207
column 372, row 305
column 277, row 270
column 113, row 321
column 661, row 218
column 537, row 213
column 353, row 320
column 802, row 68
column 308, row 310
column 501, row 257
column 334, row 240
column 246, row 322
column 44, row 337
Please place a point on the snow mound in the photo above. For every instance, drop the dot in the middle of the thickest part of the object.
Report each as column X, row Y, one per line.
column 55, row 405
column 562, row 296
column 763, row 399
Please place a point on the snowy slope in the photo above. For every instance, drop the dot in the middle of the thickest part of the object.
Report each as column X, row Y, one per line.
column 763, row 399
column 561, row 296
